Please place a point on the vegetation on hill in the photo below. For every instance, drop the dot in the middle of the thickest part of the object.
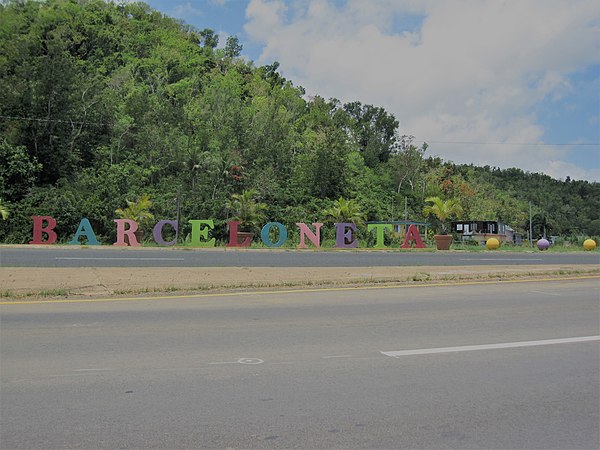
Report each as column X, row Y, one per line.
column 105, row 102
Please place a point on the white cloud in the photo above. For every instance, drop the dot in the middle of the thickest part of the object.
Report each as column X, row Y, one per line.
column 471, row 71
column 185, row 10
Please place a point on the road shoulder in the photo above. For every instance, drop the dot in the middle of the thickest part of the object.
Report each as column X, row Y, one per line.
column 28, row 283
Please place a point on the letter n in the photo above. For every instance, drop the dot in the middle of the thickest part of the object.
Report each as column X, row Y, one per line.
column 315, row 237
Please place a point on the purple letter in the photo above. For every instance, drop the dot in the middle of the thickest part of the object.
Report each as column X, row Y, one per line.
column 157, row 232
column 343, row 236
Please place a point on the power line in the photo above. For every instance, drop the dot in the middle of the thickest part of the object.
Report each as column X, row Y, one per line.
column 35, row 119
column 540, row 144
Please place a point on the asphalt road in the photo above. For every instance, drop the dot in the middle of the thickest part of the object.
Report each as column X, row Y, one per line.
column 53, row 256
column 319, row 369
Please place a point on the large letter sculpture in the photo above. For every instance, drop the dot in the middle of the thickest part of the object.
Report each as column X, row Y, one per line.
column 234, row 236
column 84, row 230
column 130, row 232
column 380, row 227
column 264, row 234
column 343, row 235
column 315, row 237
column 198, row 233
column 412, row 235
column 157, row 232
column 39, row 229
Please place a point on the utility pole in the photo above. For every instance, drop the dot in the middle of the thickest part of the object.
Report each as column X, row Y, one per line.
column 178, row 209
column 530, row 227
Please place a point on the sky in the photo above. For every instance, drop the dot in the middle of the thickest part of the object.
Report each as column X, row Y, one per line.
column 489, row 82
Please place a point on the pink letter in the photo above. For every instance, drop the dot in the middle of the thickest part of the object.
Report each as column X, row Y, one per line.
column 38, row 229
column 315, row 237
column 121, row 232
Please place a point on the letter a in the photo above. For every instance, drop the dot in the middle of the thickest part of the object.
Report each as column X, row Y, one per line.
column 412, row 234
column 84, row 229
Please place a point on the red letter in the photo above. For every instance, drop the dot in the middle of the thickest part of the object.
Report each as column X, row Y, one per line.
column 234, row 236
column 121, row 232
column 38, row 229
column 412, row 234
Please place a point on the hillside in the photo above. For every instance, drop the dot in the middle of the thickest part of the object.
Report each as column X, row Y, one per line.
column 103, row 103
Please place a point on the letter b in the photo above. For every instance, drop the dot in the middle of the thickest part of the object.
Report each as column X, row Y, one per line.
column 39, row 229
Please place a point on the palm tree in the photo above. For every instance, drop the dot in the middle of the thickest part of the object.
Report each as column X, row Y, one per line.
column 138, row 211
column 443, row 210
column 345, row 211
column 3, row 210
column 246, row 209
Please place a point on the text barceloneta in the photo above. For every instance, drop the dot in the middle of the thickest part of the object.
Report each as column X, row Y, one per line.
column 45, row 225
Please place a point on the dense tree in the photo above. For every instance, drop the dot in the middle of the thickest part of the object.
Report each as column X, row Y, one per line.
column 374, row 131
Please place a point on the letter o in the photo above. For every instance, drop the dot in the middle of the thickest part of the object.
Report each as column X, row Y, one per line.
column 264, row 234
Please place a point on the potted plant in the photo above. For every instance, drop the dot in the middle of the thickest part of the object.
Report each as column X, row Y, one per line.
column 138, row 211
column 248, row 212
column 345, row 211
column 443, row 210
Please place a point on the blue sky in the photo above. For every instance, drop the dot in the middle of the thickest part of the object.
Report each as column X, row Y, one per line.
column 507, row 84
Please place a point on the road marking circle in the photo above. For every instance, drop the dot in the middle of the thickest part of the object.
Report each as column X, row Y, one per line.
column 250, row 361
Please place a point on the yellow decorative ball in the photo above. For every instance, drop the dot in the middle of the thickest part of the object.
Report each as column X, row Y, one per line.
column 589, row 244
column 492, row 244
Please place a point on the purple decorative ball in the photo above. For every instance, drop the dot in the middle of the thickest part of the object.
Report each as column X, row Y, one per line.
column 543, row 244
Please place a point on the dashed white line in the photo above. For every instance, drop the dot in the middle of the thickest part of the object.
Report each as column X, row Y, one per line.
column 501, row 259
column 547, row 293
column 73, row 258
column 470, row 348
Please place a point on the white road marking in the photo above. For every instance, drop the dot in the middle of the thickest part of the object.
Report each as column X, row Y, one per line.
column 72, row 258
column 501, row 259
column 547, row 293
column 250, row 361
column 240, row 361
column 469, row 348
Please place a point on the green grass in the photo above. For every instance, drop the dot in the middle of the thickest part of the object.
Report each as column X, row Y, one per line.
column 54, row 293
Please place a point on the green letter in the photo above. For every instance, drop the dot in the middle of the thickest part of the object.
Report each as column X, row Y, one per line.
column 197, row 233
column 380, row 227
